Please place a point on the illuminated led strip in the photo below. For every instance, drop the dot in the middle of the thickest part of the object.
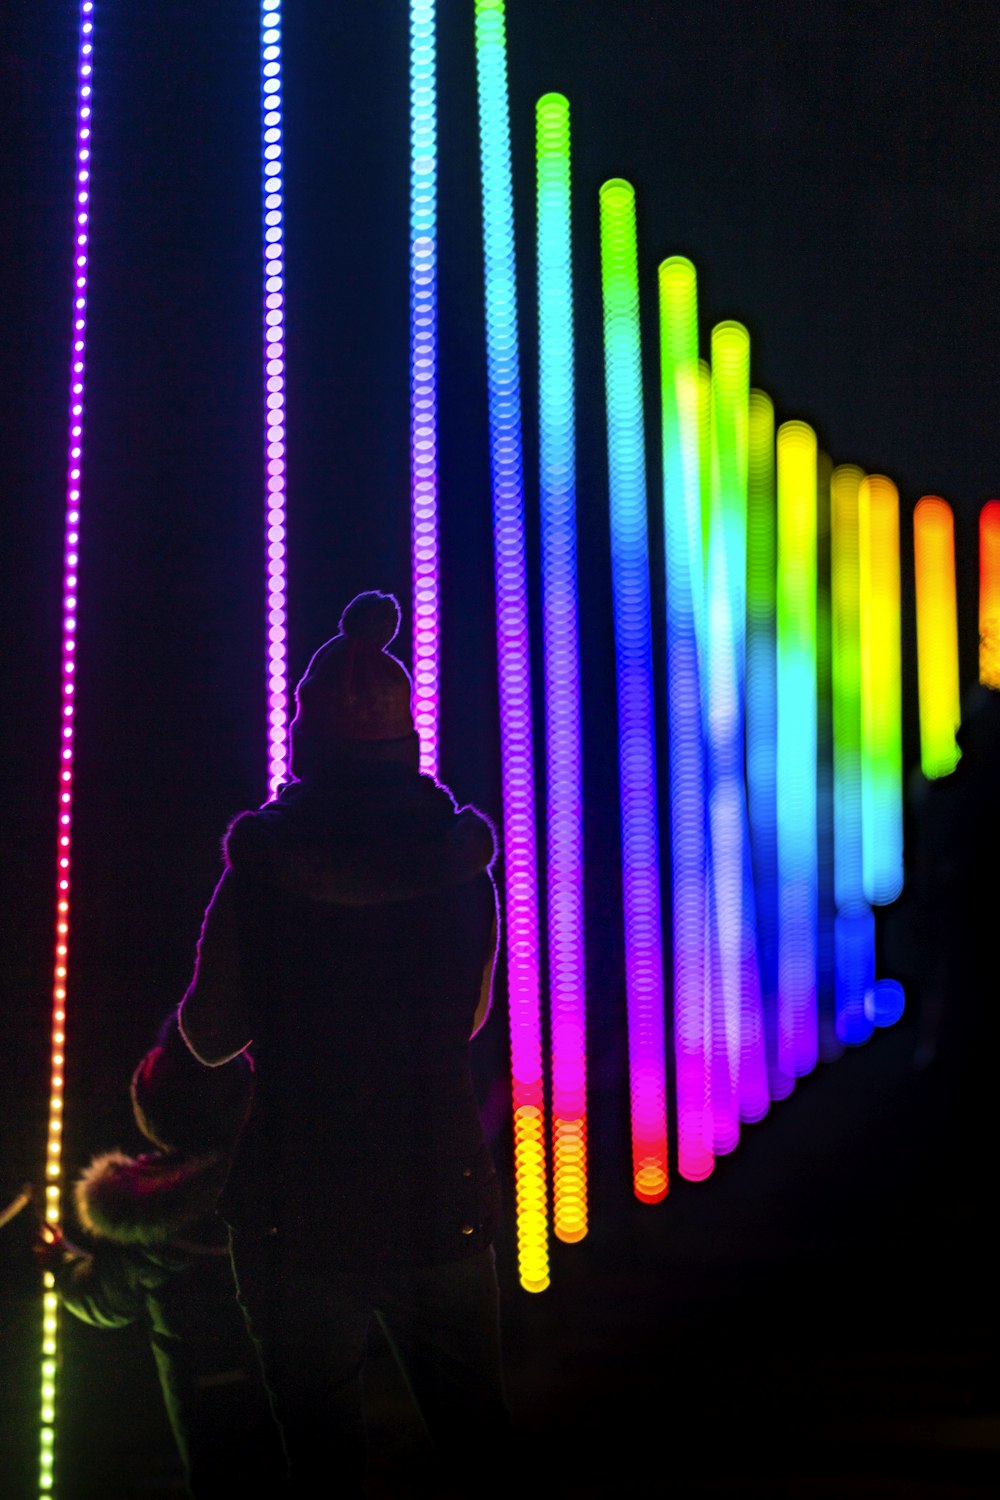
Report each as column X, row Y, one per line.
column 274, row 390
column 796, row 761
column 939, row 696
column 881, row 707
column 564, row 796
column 989, row 594
column 739, row 1084
column 684, row 588
column 423, row 379
column 830, row 1046
column 762, row 716
column 53, row 1165
column 513, row 657
column 854, row 928
column 636, row 719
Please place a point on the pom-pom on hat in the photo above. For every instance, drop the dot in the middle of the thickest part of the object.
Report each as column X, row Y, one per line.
column 353, row 691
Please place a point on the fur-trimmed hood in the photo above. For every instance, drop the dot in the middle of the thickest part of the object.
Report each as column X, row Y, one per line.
column 149, row 1199
column 391, row 834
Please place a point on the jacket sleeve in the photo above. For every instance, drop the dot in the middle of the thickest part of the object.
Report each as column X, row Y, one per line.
column 213, row 1014
column 489, row 968
column 99, row 1287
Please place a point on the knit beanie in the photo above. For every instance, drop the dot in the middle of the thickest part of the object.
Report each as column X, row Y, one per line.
column 353, row 692
column 181, row 1104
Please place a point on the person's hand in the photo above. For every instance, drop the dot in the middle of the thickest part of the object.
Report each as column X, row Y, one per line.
column 48, row 1247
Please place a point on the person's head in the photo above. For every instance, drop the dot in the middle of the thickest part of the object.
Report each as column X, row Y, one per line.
column 353, row 702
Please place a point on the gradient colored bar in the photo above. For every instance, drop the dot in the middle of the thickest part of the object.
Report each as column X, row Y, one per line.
column 423, row 380
column 52, row 1210
column 829, row 1043
column 989, row 594
column 854, row 926
column 881, row 691
column 274, row 392
column 513, row 655
column 563, row 756
column 796, row 759
column 762, row 716
column 636, row 715
column 937, row 635
column 684, row 590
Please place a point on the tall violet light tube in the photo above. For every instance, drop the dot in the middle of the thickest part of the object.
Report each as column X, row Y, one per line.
column 989, row 594
column 513, row 653
column 939, row 695
column 630, row 569
column 52, row 1208
column 881, row 690
column 684, row 590
column 274, row 392
column 423, row 379
column 796, row 761
column 563, row 756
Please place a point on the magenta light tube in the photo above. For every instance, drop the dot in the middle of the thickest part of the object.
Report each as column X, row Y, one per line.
column 634, row 674
column 684, row 591
column 563, row 754
column 274, row 392
column 520, row 862
column 423, row 380
column 52, row 1209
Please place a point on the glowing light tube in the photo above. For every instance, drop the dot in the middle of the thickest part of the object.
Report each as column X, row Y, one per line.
column 937, row 635
column 274, row 392
column 52, row 1210
column 881, row 706
column 684, row 590
column 829, row 1044
column 636, row 717
column 796, row 760
column 564, row 790
column 423, row 379
column 854, row 928
column 513, row 657
column 738, row 1076
column 762, row 716
column 989, row 594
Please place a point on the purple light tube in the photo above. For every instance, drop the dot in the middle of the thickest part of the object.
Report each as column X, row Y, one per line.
column 52, row 1208
column 274, row 392
column 423, row 380
column 513, row 653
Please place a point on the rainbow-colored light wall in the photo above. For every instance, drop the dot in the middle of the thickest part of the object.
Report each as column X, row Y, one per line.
column 563, row 747
column 513, row 654
column 630, row 565
column 937, row 635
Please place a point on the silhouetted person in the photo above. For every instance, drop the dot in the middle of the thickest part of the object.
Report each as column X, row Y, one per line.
column 351, row 940
column 156, row 1254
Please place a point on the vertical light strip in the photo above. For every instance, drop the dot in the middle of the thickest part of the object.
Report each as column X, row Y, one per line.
column 762, row 716
column 513, row 655
column 71, row 544
column 854, row 926
column 564, row 795
column 274, row 392
column 684, row 590
column 830, row 1045
column 423, row 380
column 989, row 594
column 634, row 663
column 796, row 761
column 939, row 696
column 881, row 703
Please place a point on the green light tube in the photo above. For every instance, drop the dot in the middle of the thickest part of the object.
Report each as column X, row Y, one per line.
column 937, row 635
column 881, row 690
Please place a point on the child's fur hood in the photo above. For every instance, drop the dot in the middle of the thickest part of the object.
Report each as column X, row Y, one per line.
column 147, row 1200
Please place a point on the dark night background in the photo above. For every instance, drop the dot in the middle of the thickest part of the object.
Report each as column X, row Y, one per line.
column 832, row 171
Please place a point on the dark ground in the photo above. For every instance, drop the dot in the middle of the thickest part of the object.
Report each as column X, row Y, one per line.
column 810, row 1323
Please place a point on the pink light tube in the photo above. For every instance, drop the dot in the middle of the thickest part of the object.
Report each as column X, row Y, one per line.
column 636, row 718
column 989, row 594
column 564, row 791
column 274, row 392
column 423, row 380
column 513, row 654
column 937, row 635
column 71, row 542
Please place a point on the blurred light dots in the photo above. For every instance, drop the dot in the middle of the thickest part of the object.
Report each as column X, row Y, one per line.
column 513, row 662
column 636, row 714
